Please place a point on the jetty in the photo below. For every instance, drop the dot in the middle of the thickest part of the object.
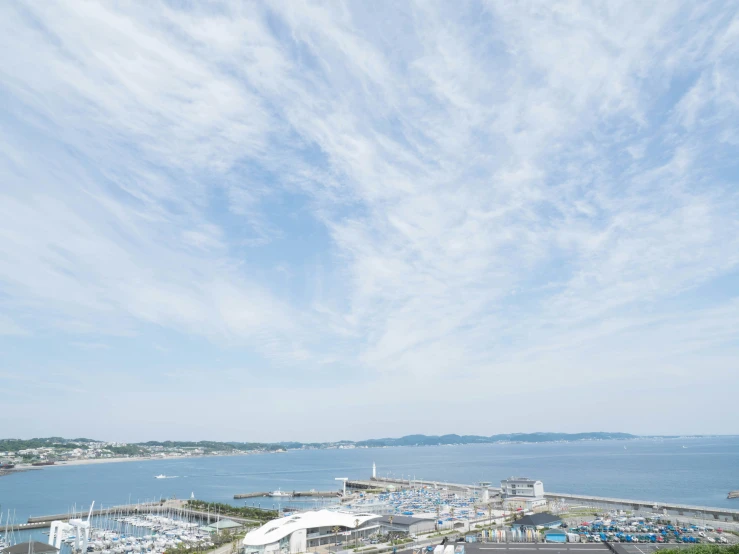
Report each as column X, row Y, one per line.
column 718, row 514
column 294, row 494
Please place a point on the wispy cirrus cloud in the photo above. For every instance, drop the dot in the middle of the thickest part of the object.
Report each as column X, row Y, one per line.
column 344, row 197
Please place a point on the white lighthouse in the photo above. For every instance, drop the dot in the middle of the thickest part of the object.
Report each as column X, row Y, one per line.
column 374, row 471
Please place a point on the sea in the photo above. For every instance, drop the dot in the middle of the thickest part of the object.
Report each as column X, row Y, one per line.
column 696, row 471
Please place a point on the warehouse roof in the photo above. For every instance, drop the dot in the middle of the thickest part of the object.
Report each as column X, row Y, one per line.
column 537, row 520
column 35, row 547
column 403, row 520
column 223, row 524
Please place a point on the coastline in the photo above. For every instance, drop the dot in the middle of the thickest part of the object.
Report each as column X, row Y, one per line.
column 259, row 452
column 94, row 461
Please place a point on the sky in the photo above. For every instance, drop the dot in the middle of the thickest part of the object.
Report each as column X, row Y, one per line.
column 298, row 220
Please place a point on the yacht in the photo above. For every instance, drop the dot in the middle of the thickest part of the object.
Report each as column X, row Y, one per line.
column 160, row 476
column 279, row 493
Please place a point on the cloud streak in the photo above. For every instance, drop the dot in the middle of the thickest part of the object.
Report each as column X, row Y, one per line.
column 338, row 198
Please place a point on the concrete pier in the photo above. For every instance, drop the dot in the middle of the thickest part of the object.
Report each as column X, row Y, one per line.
column 294, row 494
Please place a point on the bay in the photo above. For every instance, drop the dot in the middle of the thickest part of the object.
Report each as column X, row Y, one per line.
column 697, row 471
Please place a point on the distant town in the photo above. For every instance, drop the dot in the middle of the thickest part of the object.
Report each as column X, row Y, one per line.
column 46, row 451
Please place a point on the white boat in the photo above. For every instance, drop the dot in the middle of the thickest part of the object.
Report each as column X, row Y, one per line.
column 278, row 493
column 160, row 476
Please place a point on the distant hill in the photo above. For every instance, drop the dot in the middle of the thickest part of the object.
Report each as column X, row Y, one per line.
column 14, row 445
column 433, row 440
column 144, row 448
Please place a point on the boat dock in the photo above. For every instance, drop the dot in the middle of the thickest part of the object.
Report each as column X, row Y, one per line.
column 718, row 514
column 39, row 522
column 25, row 526
column 294, row 494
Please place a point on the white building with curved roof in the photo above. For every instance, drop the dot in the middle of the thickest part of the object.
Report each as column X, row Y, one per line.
column 304, row 531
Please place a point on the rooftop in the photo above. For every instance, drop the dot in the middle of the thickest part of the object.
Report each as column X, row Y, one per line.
column 35, row 547
column 277, row 529
column 402, row 520
column 535, row 520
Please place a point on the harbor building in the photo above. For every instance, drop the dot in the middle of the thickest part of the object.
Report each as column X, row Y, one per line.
column 520, row 493
column 555, row 535
column 407, row 524
column 543, row 520
column 221, row 525
column 305, row 531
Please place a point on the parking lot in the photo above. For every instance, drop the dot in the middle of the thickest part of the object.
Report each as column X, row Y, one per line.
column 536, row 548
column 647, row 548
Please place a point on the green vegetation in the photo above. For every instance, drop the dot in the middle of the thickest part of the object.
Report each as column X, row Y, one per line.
column 217, row 541
column 213, row 446
column 13, row 445
column 209, row 447
column 246, row 512
column 703, row 549
column 127, row 450
column 442, row 534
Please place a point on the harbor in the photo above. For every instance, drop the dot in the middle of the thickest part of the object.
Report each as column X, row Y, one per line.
column 718, row 514
column 300, row 483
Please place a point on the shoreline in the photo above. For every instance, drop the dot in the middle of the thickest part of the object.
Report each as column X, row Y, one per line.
column 94, row 461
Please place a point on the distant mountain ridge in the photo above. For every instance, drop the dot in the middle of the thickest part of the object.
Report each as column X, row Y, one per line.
column 434, row 440
column 207, row 447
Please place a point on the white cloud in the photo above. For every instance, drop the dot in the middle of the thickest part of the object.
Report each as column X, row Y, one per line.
column 10, row 327
column 412, row 194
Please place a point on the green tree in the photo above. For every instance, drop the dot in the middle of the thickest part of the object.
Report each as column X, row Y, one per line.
column 336, row 535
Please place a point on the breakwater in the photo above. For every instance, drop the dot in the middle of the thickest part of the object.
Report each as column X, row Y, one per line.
column 294, row 494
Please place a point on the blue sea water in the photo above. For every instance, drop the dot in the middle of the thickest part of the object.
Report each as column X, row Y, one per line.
column 689, row 471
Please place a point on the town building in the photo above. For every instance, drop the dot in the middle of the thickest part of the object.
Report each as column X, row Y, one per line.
column 305, row 531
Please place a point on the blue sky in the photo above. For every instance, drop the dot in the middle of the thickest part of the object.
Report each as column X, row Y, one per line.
column 317, row 221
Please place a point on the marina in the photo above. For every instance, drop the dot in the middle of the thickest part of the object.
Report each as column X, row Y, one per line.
column 718, row 514
column 298, row 482
column 127, row 529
